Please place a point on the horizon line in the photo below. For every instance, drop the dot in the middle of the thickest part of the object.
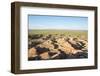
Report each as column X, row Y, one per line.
column 59, row 29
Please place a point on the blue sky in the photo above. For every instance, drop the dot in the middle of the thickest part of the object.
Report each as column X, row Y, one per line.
column 57, row 22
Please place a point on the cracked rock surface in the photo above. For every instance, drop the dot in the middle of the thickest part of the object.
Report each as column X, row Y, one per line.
column 49, row 47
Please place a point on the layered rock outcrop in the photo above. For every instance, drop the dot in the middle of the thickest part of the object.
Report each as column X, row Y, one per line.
column 56, row 47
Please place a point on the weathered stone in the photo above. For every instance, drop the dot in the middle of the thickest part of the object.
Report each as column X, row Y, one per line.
column 46, row 44
column 44, row 55
column 56, row 46
column 32, row 52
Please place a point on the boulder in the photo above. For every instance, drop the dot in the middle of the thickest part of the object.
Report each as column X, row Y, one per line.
column 44, row 55
column 46, row 44
column 65, row 46
column 76, row 43
column 32, row 52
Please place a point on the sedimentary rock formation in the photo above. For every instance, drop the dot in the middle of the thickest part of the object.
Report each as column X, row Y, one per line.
column 56, row 47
